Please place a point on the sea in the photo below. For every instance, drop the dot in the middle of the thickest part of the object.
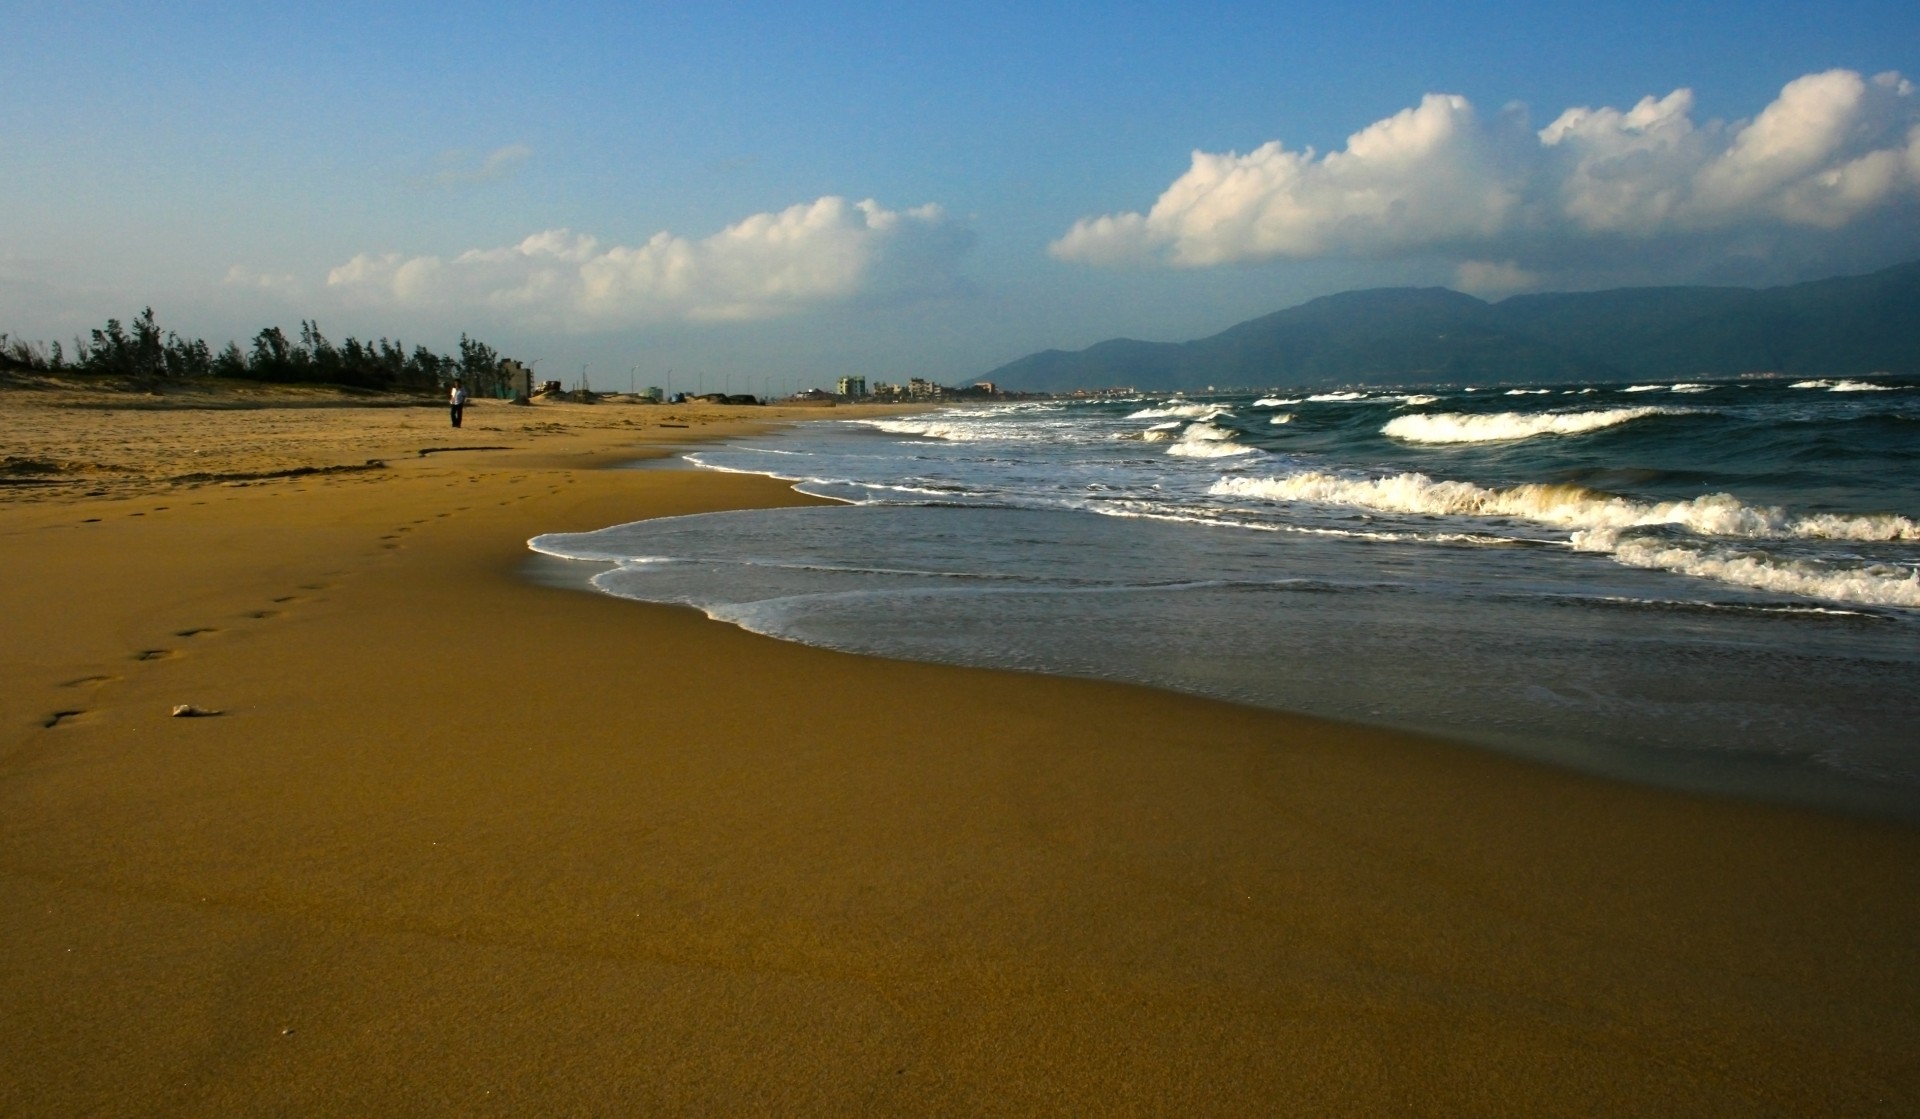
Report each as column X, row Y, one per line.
column 1711, row 586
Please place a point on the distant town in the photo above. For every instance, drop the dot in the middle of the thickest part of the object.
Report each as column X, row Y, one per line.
column 848, row 390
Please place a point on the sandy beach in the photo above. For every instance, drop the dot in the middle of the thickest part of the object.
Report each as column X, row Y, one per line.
column 452, row 842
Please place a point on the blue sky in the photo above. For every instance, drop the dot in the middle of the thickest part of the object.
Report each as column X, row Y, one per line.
column 763, row 196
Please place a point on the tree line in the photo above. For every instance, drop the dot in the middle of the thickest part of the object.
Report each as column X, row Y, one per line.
column 143, row 351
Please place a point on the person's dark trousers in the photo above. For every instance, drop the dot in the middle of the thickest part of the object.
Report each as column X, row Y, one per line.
column 456, row 415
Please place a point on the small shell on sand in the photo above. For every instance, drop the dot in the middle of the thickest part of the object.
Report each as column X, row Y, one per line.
column 189, row 711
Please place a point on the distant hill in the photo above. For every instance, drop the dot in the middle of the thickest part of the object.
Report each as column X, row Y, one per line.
column 1847, row 326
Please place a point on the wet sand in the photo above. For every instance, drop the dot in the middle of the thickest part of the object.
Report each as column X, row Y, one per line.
column 458, row 843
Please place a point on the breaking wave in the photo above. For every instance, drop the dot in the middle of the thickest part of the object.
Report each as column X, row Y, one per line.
column 1870, row 584
column 1462, row 427
column 1186, row 411
column 1568, row 506
column 1603, row 522
column 1842, row 386
column 1204, row 440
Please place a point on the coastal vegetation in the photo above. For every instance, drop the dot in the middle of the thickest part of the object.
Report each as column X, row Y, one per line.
column 142, row 352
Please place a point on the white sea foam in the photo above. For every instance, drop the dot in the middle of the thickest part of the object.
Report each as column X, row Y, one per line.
column 1275, row 402
column 1337, row 397
column 1210, row 450
column 1205, row 432
column 1204, row 440
column 1282, row 418
column 1643, row 388
column 959, row 432
column 1528, row 392
column 1594, row 513
column 1190, row 411
column 1461, row 427
column 1694, row 388
column 979, row 428
column 1842, row 386
column 1419, row 399
column 1164, row 432
column 562, row 545
column 1874, row 585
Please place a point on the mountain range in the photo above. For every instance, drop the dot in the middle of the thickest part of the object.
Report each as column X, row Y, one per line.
column 1846, row 326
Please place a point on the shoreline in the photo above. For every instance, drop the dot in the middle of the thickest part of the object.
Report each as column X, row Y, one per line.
column 463, row 842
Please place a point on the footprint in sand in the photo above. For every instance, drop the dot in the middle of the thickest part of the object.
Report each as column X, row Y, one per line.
column 154, row 654
column 59, row 717
column 196, row 631
column 289, row 598
column 264, row 614
column 89, row 681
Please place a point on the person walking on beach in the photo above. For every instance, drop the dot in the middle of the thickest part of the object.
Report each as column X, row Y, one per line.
column 458, row 399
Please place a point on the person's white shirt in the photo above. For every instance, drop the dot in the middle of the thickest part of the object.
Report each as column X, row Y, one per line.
column 457, row 396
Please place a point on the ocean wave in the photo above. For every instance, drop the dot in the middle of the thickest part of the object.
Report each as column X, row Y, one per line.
column 1842, row 386
column 959, row 432
column 1336, row 397
column 1462, row 427
column 1871, row 585
column 1282, row 418
column 1568, row 506
column 1204, row 440
column 1187, row 411
column 978, row 428
column 1206, row 432
column 1528, row 392
column 1276, row 402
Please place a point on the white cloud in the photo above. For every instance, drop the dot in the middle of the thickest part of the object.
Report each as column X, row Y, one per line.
column 457, row 170
column 768, row 265
column 1831, row 148
column 1493, row 277
column 241, row 276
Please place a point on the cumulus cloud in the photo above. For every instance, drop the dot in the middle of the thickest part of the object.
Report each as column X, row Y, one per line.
column 768, row 265
column 457, row 169
column 1832, row 148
